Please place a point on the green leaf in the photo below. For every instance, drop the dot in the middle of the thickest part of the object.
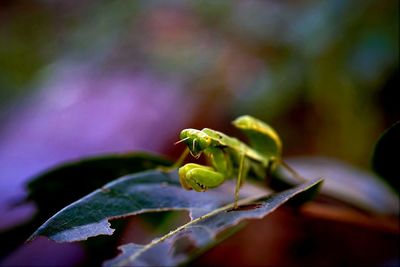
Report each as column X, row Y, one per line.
column 147, row 191
column 54, row 189
column 386, row 160
column 176, row 247
column 60, row 186
column 344, row 182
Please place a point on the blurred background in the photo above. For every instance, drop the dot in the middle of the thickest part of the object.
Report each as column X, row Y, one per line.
column 81, row 78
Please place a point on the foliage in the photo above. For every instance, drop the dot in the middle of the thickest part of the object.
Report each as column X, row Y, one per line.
column 149, row 185
column 158, row 190
column 384, row 162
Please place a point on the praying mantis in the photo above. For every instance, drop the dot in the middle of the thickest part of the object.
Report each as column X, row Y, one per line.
column 229, row 157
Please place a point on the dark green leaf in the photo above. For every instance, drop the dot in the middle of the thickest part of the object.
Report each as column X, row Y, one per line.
column 177, row 246
column 56, row 188
column 386, row 160
column 64, row 184
column 344, row 182
column 142, row 192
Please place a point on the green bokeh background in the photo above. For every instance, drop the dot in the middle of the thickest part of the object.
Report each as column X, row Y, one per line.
column 323, row 73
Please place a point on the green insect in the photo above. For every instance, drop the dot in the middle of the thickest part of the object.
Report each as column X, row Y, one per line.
column 228, row 157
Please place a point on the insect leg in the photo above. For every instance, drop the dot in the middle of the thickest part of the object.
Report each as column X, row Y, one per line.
column 181, row 158
column 199, row 177
column 220, row 160
column 293, row 172
column 240, row 178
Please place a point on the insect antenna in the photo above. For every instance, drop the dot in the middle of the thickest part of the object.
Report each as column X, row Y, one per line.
column 182, row 140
